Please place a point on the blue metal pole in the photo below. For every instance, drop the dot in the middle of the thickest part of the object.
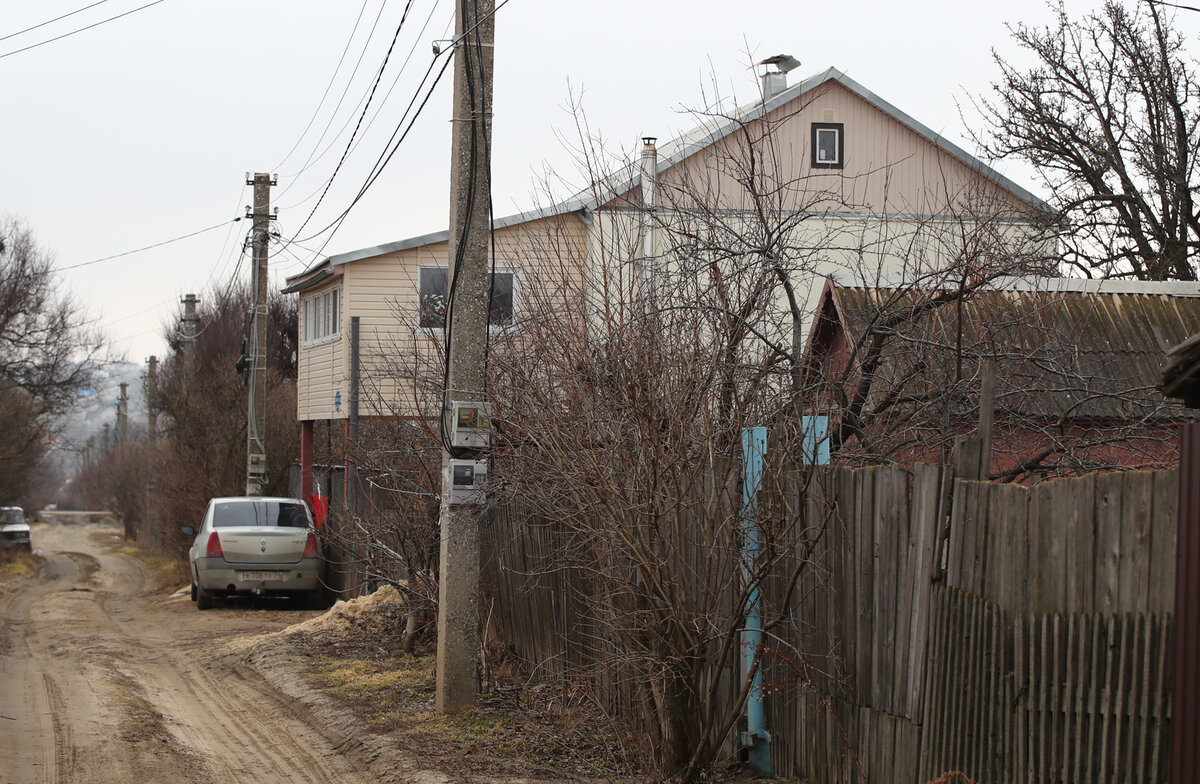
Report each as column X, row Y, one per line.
column 754, row 447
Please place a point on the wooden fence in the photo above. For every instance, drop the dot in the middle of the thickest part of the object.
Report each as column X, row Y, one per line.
column 1015, row 634
column 1030, row 644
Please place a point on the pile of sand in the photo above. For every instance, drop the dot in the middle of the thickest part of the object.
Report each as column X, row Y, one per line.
column 340, row 614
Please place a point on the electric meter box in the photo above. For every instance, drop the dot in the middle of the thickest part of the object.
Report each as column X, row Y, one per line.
column 471, row 425
column 467, row 481
column 256, row 466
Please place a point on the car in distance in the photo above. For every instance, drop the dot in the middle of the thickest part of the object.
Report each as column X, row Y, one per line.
column 253, row 545
column 14, row 531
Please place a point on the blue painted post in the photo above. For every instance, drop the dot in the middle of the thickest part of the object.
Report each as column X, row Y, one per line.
column 754, row 447
column 816, row 439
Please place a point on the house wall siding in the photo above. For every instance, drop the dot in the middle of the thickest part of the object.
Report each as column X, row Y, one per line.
column 547, row 256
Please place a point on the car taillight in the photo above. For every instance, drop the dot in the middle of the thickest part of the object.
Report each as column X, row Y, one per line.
column 214, row 547
column 310, row 546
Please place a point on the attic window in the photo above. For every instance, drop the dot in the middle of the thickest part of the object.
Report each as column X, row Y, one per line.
column 827, row 145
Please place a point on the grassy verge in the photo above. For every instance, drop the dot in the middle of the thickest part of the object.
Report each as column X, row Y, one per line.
column 516, row 729
column 169, row 573
column 17, row 563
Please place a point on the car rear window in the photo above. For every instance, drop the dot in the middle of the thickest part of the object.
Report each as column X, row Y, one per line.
column 260, row 513
column 12, row 515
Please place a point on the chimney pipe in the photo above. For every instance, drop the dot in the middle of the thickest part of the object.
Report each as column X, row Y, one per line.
column 773, row 83
column 649, row 167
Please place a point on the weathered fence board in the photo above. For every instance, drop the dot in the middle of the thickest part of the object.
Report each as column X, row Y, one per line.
column 1039, row 655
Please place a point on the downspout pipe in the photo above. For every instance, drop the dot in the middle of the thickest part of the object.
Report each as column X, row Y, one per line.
column 756, row 738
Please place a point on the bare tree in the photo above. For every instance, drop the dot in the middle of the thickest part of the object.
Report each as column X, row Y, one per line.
column 1108, row 115
column 202, row 414
column 47, row 354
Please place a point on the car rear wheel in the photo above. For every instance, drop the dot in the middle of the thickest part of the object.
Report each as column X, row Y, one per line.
column 204, row 599
column 193, row 592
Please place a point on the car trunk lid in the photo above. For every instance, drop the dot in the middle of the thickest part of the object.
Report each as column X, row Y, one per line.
column 263, row 544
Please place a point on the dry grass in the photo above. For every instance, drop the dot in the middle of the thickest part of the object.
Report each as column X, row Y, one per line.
column 169, row 573
column 17, row 563
column 515, row 730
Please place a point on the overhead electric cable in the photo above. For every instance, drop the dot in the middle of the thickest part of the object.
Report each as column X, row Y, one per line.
column 385, row 156
column 354, row 135
column 148, row 247
column 52, row 21
column 328, row 87
column 379, row 105
column 309, row 161
column 80, row 30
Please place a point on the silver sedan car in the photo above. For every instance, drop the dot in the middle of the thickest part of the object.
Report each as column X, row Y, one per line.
column 255, row 546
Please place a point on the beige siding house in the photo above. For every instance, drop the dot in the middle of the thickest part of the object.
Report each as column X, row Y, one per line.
column 880, row 194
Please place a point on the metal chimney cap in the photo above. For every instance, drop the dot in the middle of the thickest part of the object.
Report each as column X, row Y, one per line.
column 649, row 140
column 784, row 62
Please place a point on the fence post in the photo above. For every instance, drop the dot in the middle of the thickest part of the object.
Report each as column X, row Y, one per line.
column 754, row 447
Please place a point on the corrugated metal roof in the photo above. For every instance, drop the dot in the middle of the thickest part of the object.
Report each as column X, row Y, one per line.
column 1060, row 349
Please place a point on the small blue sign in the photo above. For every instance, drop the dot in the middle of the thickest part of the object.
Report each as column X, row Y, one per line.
column 337, row 400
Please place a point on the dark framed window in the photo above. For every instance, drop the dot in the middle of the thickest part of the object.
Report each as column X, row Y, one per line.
column 432, row 294
column 828, row 145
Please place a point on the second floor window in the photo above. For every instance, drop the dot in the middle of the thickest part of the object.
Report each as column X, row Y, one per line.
column 322, row 316
column 433, row 296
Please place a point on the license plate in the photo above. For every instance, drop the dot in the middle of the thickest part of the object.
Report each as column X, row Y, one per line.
column 262, row 575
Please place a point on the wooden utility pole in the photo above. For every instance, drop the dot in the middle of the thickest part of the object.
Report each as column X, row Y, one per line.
column 470, row 199
column 256, row 420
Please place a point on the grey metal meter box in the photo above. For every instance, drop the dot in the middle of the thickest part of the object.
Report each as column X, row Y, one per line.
column 467, row 481
column 256, row 466
column 471, row 425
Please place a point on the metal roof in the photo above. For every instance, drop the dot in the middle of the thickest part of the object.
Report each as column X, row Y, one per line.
column 1062, row 347
column 684, row 146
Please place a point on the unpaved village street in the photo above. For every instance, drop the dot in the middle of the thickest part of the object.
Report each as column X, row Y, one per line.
column 104, row 680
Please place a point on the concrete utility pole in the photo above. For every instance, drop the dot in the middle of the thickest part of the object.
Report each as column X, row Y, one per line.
column 152, row 450
column 256, row 448
column 123, row 414
column 470, row 197
column 190, row 321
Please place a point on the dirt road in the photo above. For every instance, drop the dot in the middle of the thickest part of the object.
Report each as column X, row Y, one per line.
column 103, row 680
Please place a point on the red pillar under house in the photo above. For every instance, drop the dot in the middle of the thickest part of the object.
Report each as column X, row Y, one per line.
column 306, row 460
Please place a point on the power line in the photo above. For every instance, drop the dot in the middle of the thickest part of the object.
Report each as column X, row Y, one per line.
column 386, row 156
column 375, row 115
column 328, row 87
column 370, row 97
column 1173, row 5
column 148, row 247
column 81, row 29
column 52, row 21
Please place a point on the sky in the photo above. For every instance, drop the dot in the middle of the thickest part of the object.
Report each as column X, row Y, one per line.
column 141, row 130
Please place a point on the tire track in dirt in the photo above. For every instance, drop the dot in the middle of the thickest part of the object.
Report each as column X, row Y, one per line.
column 115, row 683
column 64, row 745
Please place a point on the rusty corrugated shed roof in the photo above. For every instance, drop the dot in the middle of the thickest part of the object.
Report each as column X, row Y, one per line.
column 1086, row 354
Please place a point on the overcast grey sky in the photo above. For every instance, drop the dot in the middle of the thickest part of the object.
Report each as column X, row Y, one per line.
column 141, row 130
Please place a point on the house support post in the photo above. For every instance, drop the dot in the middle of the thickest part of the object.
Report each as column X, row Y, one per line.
column 306, row 460
column 466, row 349
column 756, row 737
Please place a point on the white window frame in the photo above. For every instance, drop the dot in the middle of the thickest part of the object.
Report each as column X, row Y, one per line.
column 322, row 316
column 516, row 304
